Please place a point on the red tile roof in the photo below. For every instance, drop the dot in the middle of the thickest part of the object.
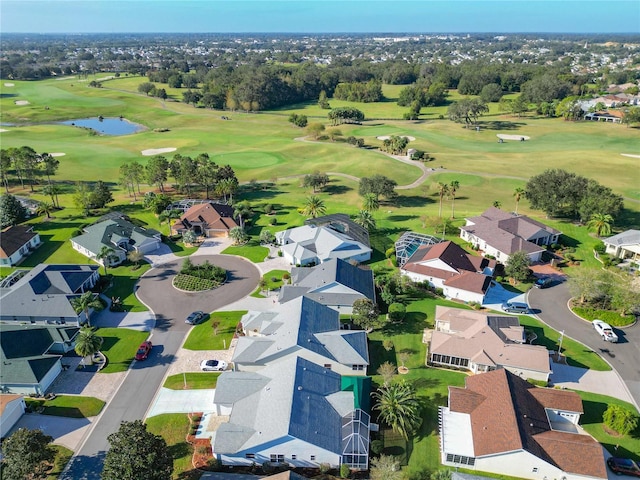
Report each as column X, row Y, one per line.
column 211, row 216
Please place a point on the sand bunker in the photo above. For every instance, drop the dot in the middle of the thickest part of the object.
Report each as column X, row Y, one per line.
column 21, row 102
column 387, row 137
column 630, row 155
column 58, row 154
column 9, row 84
column 157, row 151
column 512, row 137
column 3, row 130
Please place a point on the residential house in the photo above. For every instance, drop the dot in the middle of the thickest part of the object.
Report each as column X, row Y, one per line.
column 446, row 265
column 624, row 245
column 293, row 411
column 16, row 243
column 305, row 328
column 612, row 116
column 318, row 242
column 12, row 408
column 335, row 283
column 341, row 222
column 31, row 356
column 44, row 294
column 481, row 342
column 502, row 424
column 206, row 219
column 120, row 235
column 500, row 234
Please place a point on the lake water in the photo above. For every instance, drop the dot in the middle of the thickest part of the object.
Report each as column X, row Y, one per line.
column 106, row 126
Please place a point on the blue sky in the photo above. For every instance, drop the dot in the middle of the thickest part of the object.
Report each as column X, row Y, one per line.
column 295, row 16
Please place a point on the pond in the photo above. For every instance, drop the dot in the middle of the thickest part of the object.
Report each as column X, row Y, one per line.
column 106, row 126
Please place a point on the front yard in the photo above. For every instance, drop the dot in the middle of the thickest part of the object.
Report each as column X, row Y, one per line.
column 204, row 337
column 72, row 406
column 192, row 380
column 120, row 345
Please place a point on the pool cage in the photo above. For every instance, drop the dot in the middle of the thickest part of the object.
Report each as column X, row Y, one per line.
column 355, row 439
column 409, row 242
column 186, row 204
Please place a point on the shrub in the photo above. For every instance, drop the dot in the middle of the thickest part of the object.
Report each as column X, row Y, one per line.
column 397, row 312
column 620, row 419
column 390, row 252
column 324, row 468
column 377, row 446
column 600, row 248
column 388, row 345
column 537, row 383
column 438, row 291
column 499, row 279
column 268, row 209
column 273, row 221
column 286, row 276
column 345, row 471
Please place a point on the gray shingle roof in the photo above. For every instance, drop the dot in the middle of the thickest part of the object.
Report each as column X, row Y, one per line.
column 46, row 291
column 629, row 237
column 109, row 233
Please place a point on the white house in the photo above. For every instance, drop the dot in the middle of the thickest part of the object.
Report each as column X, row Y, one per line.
column 624, row 245
column 305, row 328
column 118, row 234
column 293, row 411
column 481, row 342
column 311, row 244
column 502, row 424
column 500, row 234
column 447, row 266
column 16, row 243
column 12, row 408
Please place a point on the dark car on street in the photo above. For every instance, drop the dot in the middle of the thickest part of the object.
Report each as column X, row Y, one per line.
column 143, row 350
column 624, row 466
column 543, row 282
column 195, row 318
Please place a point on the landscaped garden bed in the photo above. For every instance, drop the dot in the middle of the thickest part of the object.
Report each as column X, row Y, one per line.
column 198, row 278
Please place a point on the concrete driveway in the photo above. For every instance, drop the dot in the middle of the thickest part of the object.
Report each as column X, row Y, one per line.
column 65, row 431
column 497, row 295
column 182, row 401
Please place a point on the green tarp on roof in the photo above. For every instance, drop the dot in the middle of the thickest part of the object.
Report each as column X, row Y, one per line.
column 361, row 388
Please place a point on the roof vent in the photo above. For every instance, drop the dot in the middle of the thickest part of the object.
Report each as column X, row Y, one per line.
column 299, row 388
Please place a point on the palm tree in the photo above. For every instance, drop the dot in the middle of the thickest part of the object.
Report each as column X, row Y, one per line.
column 169, row 216
column 453, row 187
column 370, row 202
column 443, row 189
column 135, row 256
column 313, row 207
column 238, row 235
column 497, row 203
column 227, row 186
column 105, row 254
column 85, row 303
column 601, row 224
column 87, row 343
column 518, row 193
column 242, row 210
column 45, row 208
column 399, row 407
column 365, row 220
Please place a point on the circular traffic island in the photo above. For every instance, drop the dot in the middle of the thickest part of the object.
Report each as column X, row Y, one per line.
column 199, row 278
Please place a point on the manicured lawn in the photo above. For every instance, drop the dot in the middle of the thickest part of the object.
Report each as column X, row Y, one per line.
column 194, row 380
column 594, row 406
column 612, row 318
column 74, row 406
column 202, row 335
column 63, row 455
column 124, row 279
column 179, row 248
column 120, row 346
column 173, row 427
column 274, row 281
column 252, row 252
column 577, row 354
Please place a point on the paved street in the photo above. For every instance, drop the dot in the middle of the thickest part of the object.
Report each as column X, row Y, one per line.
column 550, row 304
column 144, row 378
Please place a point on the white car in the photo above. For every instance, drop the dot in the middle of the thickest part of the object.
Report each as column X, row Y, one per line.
column 213, row 365
column 605, row 331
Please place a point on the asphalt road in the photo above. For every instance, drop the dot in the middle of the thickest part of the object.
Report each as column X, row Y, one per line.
column 144, row 378
column 550, row 305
